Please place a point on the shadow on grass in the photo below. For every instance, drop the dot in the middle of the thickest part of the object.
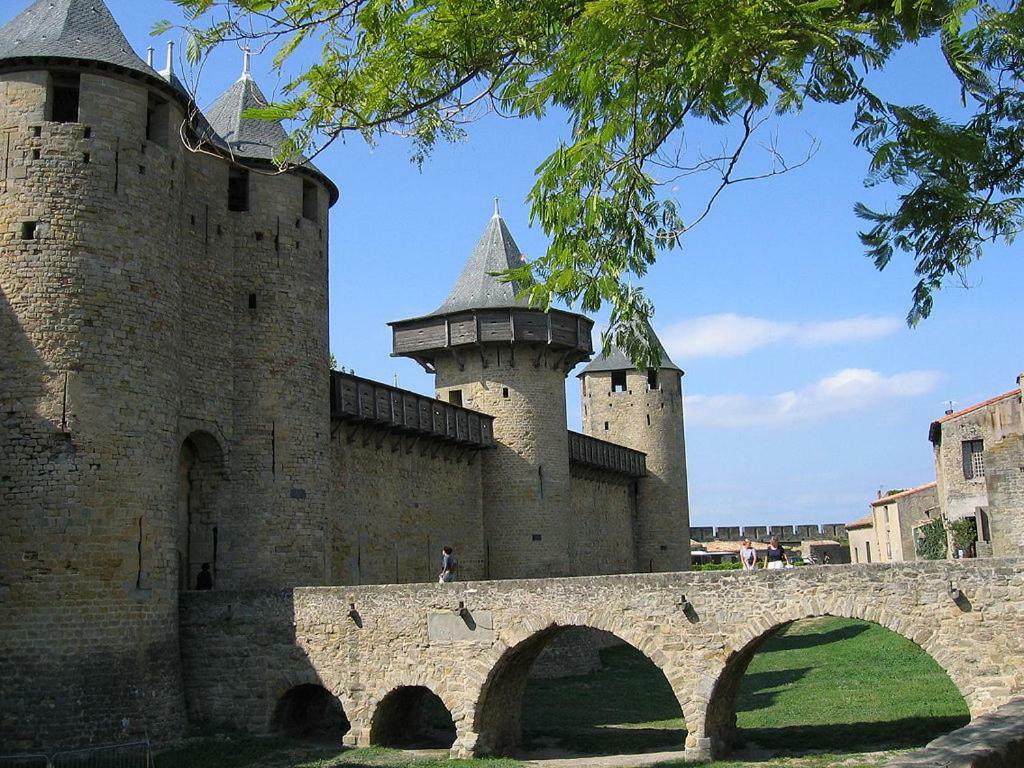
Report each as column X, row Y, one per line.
column 905, row 733
column 760, row 689
column 794, row 642
column 605, row 740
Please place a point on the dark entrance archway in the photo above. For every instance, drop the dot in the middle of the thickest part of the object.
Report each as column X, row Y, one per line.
column 626, row 706
column 412, row 717
column 832, row 683
column 309, row 711
column 201, row 497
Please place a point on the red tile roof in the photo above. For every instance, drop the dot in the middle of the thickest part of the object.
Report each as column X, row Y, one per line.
column 893, row 497
column 976, row 406
column 864, row 522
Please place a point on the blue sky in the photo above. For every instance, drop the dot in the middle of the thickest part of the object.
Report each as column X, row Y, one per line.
column 806, row 392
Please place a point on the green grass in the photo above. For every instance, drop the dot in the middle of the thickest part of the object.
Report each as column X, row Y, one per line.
column 834, row 687
column 845, row 685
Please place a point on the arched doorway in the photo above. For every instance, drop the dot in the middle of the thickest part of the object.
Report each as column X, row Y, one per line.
column 201, row 495
column 835, row 684
column 412, row 717
column 309, row 711
column 625, row 706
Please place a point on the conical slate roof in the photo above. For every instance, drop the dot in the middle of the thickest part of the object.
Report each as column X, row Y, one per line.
column 618, row 360
column 478, row 287
column 69, row 29
column 246, row 136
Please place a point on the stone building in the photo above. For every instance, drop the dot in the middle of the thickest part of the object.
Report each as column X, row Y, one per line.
column 979, row 456
column 894, row 519
column 165, row 400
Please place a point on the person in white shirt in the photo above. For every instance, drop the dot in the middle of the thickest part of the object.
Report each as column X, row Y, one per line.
column 748, row 557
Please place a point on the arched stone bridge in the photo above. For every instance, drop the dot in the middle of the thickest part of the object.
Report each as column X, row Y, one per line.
column 243, row 651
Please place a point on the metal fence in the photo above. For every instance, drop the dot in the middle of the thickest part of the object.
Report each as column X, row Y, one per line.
column 138, row 754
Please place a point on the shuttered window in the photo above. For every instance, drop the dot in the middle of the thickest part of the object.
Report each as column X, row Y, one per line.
column 974, row 459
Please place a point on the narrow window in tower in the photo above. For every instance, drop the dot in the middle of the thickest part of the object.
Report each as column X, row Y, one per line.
column 252, row 301
column 618, row 381
column 310, row 201
column 504, row 392
column 28, row 230
column 238, row 190
column 606, row 426
column 648, row 419
column 157, row 120
column 455, row 396
column 652, row 380
column 65, row 92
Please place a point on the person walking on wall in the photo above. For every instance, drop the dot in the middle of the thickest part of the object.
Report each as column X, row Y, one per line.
column 748, row 556
column 776, row 556
column 448, row 566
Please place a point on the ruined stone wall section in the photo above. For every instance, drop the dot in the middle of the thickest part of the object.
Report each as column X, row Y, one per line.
column 89, row 300
column 603, row 520
column 526, row 484
column 307, row 636
column 1004, row 478
column 648, row 420
column 396, row 502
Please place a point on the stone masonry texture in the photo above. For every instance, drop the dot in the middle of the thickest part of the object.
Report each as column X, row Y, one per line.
column 243, row 651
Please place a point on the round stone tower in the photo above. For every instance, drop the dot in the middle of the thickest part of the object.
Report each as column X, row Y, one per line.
column 275, row 224
column 492, row 352
column 163, row 373
column 89, row 297
column 643, row 410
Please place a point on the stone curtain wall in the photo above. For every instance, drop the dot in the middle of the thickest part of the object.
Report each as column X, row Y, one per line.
column 396, row 502
column 242, row 651
column 603, row 523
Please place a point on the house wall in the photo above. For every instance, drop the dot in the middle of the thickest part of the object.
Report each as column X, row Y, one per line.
column 862, row 541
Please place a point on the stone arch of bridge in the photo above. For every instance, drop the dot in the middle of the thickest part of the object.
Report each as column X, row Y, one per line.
column 717, row 729
column 412, row 716
column 370, row 708
column 308, row 709
column 497, row 714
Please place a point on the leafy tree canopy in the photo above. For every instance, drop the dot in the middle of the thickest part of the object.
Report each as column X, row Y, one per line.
column 631, row 75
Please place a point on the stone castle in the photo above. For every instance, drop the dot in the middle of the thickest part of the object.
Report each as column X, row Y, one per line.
column 165, row 396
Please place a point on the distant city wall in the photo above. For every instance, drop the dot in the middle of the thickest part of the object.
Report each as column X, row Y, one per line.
column 836, row 531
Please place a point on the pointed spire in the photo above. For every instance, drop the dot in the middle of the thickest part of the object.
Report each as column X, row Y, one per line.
column 69, row 29
column 246, row 136
column 479, row 287
column 618, row 360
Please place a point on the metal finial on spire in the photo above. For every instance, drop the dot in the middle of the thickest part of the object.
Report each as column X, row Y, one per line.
column 497, row 210
column 149, row 56
column 246, row 63
column 170, row 60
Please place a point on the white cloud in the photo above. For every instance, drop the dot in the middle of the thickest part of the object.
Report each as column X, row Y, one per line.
column 729, row 335
column 848, row 391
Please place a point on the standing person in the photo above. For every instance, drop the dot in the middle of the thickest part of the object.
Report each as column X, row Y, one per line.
column 776, row 556
column 748, row 556
column 204, row 580
column 448, row 566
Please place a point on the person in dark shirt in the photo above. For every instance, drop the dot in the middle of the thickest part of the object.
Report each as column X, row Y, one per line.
column 205, row 578
column 775, row 556
column 448, row 566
